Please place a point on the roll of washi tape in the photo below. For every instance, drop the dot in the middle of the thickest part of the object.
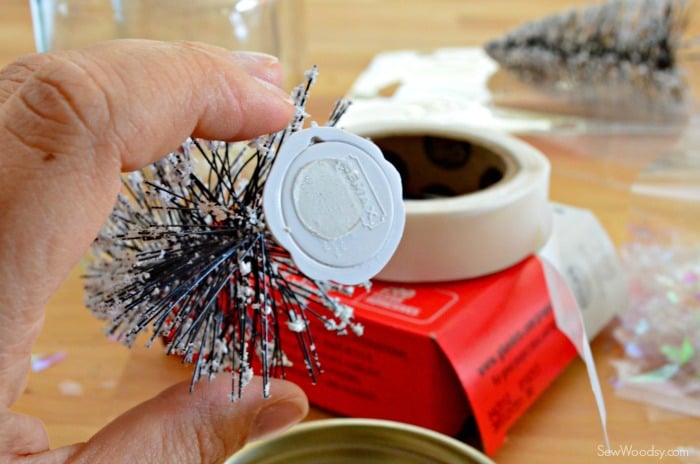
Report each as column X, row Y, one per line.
column 476, row 200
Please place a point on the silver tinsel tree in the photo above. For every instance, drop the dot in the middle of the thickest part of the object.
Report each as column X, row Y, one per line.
column 617, row 55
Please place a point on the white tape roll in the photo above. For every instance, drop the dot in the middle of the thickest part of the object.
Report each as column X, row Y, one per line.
column 485, row 203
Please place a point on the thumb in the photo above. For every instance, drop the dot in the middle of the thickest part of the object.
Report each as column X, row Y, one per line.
column 202, row 426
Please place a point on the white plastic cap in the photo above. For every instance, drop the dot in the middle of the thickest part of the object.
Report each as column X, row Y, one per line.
column 335, row 203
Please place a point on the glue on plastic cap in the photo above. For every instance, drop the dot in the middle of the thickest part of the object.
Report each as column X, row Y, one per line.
column 335, row 203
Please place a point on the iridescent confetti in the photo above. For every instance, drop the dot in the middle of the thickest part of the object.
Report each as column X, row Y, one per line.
column 660, row 331
column 70, row 388
column 40, row 361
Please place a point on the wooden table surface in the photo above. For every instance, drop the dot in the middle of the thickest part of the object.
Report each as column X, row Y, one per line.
column 99, row 379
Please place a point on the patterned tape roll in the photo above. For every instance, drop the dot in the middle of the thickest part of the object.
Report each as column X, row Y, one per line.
column 476, row 200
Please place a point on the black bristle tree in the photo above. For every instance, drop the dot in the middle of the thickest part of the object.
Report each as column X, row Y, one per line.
column 186, row 255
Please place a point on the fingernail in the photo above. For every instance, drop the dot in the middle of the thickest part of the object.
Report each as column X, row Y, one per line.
column 276, row 90
column 276, row 418
column 255, row 57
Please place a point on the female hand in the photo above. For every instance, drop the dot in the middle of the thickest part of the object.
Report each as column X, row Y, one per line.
column 70, row 122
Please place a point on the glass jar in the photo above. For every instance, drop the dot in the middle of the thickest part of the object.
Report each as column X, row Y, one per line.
column 269, row 26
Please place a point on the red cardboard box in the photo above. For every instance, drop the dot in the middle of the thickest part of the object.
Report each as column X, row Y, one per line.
column 442, row 355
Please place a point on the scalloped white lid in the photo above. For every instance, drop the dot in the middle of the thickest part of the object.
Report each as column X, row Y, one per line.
column 335, row 203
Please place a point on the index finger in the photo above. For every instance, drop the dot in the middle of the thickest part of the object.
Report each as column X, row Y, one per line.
column 68, row 130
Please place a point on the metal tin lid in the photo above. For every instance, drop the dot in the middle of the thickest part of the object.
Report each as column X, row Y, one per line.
column 335, row 203
column 345, row 441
